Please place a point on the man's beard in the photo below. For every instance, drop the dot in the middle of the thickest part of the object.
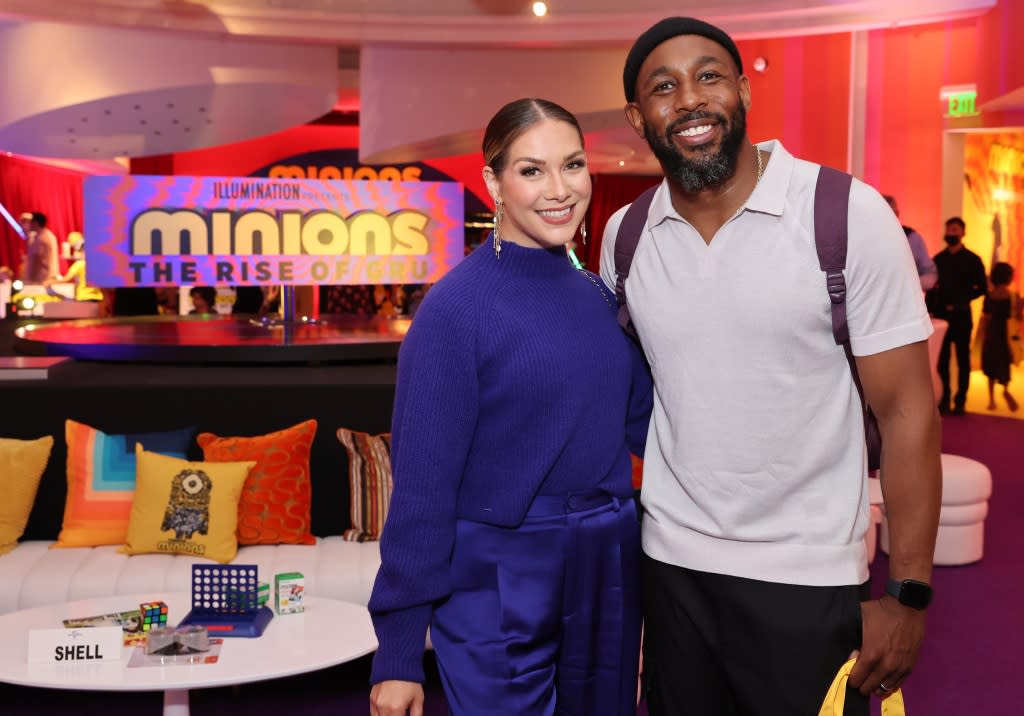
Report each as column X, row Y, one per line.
column 707, row 170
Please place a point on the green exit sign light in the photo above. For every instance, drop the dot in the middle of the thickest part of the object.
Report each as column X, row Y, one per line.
column 961, row 104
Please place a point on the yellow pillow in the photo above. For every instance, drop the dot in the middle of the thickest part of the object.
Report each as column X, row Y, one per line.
column 183, row 507
column 21, row 466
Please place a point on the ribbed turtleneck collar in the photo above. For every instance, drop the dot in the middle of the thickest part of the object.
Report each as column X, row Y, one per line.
column 520, row 258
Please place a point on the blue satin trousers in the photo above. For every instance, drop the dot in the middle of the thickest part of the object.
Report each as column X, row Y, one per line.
column 544, row 618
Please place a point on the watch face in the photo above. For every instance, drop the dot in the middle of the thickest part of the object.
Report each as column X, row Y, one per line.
column 915, row 594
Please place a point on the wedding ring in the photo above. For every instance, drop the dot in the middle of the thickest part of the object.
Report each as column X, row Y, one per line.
column 885, row 688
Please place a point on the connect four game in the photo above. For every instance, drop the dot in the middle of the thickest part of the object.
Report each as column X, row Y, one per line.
column 225, row 600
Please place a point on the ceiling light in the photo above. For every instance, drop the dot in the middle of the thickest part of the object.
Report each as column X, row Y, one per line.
column 760, row 64
column 622, row 163
column 540, row 9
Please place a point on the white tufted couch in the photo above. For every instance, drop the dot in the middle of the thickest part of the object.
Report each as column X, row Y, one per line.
column 34, row 575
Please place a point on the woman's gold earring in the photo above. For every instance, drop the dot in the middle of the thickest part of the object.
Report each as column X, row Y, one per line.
column 583, row 230
column 497, row 229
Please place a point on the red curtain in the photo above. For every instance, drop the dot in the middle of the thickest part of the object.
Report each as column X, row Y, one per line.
column 26, row 185
column 611, row 193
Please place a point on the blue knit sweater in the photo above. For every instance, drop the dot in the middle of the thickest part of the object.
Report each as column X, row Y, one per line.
column 513, row 381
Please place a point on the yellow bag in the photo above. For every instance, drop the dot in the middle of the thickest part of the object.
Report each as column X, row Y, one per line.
column 835, row 700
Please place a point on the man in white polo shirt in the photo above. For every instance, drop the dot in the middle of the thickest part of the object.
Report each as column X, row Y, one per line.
column 755, row 575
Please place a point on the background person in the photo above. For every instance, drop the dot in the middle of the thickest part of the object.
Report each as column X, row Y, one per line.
column 961, row 280
column 42, row 257
column 204, row 299
column 512, row 531
column 76, row 271
column 1000, row 305
column 754, row 485
column 926, row 270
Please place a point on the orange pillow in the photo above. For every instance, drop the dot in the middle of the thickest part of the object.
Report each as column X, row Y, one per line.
column 275, row 503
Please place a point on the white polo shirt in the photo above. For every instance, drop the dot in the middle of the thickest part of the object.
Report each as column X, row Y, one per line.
column 756, row 462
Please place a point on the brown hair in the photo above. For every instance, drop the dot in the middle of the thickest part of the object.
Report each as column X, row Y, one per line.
column 513, row 120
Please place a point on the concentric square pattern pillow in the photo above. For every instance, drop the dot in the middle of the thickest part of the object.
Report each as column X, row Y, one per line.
column 101, row 480
column 275, row 503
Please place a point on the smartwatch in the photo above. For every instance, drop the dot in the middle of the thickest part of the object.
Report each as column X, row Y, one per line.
column 910, row 592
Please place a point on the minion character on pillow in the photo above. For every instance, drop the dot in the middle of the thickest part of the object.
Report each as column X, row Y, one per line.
column 188, row 510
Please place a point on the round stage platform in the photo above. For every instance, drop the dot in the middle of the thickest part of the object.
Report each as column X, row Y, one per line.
column 216, row 339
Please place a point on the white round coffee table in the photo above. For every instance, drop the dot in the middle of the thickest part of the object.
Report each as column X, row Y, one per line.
column 327, row 633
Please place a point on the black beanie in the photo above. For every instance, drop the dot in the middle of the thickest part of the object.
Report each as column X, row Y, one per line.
column 665, row 30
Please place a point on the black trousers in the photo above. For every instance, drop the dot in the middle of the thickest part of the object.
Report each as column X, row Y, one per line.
column 958, row 335
column 716, row 645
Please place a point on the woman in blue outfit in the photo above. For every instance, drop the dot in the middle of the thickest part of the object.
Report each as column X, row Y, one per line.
column 512, row 532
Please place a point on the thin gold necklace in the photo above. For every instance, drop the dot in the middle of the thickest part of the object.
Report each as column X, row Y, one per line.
column 760, row 163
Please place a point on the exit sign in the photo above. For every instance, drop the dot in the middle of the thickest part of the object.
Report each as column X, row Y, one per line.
column 960, row 100
column 962, row 105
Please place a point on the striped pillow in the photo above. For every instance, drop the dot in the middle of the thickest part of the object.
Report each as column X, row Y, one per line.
column 369, row 478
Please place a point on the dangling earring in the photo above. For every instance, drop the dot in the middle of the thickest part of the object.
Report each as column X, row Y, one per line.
column 583, row 230
column 497, row 229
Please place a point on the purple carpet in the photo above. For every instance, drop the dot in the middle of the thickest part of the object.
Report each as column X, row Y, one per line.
column 976, row 624
column 968, row 665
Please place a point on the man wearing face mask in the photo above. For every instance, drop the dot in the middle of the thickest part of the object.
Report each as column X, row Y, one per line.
column 961, row 280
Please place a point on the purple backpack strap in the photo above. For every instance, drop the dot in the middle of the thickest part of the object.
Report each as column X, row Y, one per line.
column 626, row 241
column 831, row 225
column 831, row 217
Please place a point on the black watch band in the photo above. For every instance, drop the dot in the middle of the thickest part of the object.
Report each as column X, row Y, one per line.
column 910, row 592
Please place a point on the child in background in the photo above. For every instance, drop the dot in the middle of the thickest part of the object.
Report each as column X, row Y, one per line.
column 203, row 299
column 1000, row 305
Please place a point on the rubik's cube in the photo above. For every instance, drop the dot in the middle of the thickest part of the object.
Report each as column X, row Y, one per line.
column 152, row 615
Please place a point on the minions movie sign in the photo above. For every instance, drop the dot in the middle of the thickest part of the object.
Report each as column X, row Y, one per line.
column 172, row 230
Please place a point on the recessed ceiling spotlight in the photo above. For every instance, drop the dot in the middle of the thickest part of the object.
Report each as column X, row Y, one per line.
column 622, row 163
column 540, row 9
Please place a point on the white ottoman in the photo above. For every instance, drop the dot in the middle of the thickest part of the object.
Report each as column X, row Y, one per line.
column 966, row 487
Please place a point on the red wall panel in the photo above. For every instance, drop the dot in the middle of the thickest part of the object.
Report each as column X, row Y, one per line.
column 907, row 67
column 803, row 97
